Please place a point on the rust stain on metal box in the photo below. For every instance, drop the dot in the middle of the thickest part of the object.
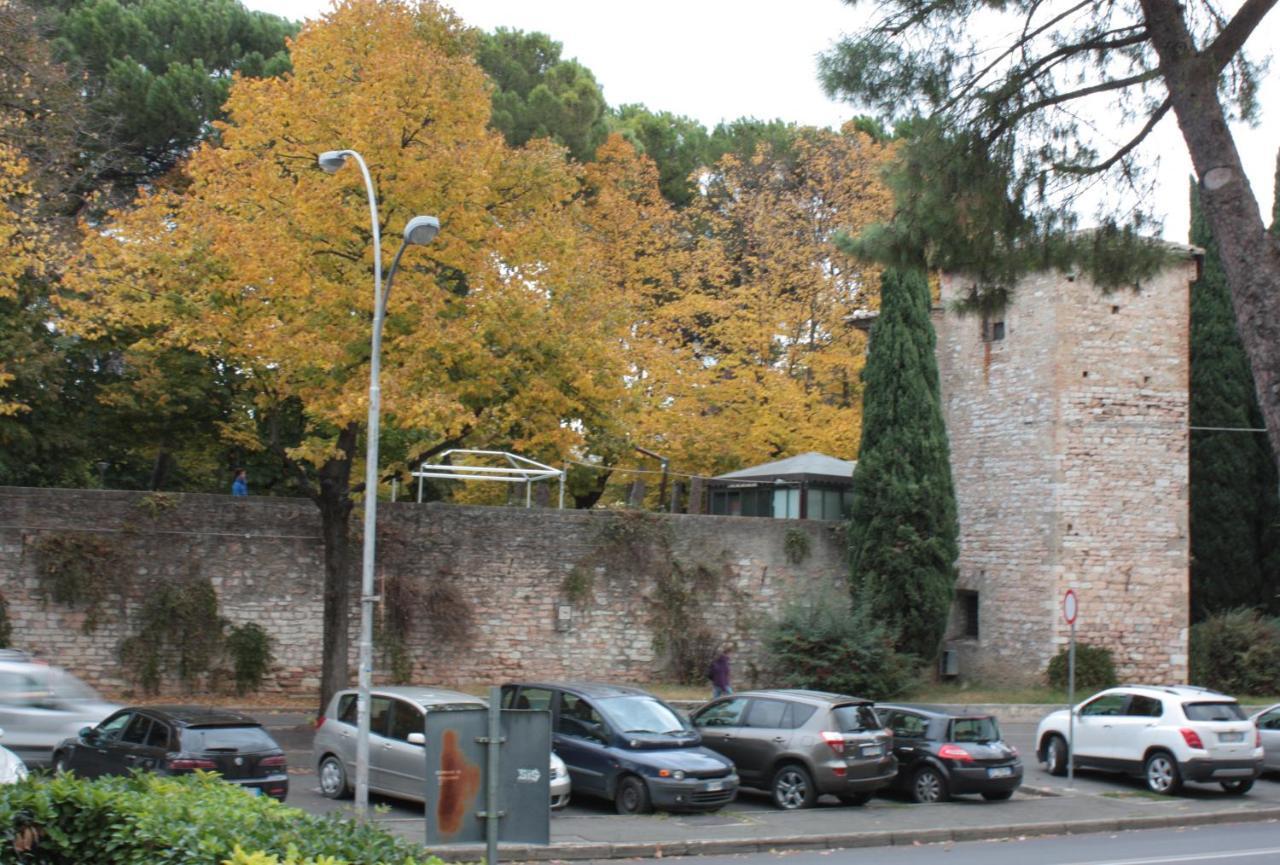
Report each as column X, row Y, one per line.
column 459, row 782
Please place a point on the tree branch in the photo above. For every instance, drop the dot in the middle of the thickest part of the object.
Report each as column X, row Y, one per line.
column 1085, row 170
column 1058, row 98
column 1237, row 32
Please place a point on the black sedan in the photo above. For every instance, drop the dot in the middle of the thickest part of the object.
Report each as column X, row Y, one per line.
column 940, row 755
column 173, row 740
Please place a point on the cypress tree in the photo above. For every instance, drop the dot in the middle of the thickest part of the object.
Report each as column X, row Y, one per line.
column 902, row 527
column 1235, row 557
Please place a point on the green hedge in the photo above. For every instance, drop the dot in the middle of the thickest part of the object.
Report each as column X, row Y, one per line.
column 1237, row 652
column 189, row 819
column 1094, row 668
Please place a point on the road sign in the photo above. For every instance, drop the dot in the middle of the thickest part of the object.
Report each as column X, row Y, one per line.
column 1070, row 606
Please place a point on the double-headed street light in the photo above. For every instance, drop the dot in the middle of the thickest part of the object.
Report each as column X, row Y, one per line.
column 420, row 230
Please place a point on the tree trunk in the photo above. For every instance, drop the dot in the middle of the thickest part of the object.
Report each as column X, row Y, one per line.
column 160, row 469
column 334, row 500
column 1250, row 255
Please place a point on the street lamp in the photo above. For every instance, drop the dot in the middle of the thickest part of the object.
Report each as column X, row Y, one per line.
column 419, row 231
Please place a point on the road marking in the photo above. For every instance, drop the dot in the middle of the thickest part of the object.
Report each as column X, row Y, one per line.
column 1182, row 857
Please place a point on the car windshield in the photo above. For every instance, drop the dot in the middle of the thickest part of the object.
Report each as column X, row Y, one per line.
column 68, row 687
column 974, row 730
column 201, row 739
column 853, row 718
column 1213, row 711
column 641, row 715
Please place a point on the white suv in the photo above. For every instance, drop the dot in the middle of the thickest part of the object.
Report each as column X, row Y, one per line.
column 1165, row 735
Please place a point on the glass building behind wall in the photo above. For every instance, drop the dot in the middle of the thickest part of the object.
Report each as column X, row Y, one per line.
column 810, row 486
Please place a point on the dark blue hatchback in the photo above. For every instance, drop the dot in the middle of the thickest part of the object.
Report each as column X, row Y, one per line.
column 626, row 745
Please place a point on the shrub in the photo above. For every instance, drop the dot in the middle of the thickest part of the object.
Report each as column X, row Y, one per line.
column 1237, row 652
column 1094, row 668
column 822, row 643
column 250, row 649
column 190, row 819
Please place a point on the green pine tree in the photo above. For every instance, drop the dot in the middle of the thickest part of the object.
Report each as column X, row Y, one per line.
column 1235, row 544
column 902, row 529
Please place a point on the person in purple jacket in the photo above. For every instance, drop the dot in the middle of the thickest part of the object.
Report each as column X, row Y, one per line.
column 718, row 673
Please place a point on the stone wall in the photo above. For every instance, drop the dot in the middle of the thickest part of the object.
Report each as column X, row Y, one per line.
column 1069, row 453
column 546, row 593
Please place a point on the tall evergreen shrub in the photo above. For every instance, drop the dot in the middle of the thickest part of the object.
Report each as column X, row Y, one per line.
column 902, row 528
column 1235, row 542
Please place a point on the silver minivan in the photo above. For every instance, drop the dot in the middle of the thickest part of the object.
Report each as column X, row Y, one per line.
column 800, row 744
column 41, row 705
column 397, row 764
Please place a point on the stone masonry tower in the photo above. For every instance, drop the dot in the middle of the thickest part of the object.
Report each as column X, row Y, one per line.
column 1068, row 420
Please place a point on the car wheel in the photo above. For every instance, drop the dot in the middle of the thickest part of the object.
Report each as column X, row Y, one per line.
column 928, row 785
column 792, row 787
column 333, row 779
column 855, row 798
column 997, row 795
column 1161, row 773
column 62, row 764
column 1055, row 755
column 1238, row 788
column 632, row 796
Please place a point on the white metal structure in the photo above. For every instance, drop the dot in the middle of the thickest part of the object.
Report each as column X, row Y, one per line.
column 519, row 470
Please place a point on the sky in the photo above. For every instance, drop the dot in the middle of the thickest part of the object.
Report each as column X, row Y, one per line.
column 717, row 60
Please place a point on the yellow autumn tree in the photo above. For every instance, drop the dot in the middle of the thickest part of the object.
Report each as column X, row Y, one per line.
column 19, row 246
column 261, row 260
column 769, row 304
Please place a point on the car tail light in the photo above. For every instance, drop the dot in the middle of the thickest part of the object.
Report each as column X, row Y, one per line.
column 835, row 741
column 1192, row 738
column 1257, row 738
column 278, row 760
column 187, row 764
column 955, row 752
column 320, row 722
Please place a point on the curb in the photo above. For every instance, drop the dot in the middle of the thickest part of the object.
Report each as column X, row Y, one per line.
column 849, row 840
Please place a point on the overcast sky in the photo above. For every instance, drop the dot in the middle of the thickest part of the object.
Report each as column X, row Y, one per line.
column 719, row 60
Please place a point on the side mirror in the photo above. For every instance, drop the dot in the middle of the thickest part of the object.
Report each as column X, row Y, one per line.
column 417, row 739
column 88, row 733
column 1, row 734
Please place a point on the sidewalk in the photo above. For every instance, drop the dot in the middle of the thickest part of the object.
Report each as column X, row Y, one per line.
column 880, row 823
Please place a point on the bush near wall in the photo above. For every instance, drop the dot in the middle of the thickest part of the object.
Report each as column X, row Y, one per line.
column 1095, row 668
column 1237, row 652
column 189, row 819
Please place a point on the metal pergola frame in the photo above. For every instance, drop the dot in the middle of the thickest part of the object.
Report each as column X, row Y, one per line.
column 521, row 470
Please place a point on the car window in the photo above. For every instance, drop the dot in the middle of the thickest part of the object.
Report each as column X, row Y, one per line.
column 1270, row 721
column 579, row 718
column 249, row 738
column 724, row 714
column 767, row 714
column 1107, row 704
column 114, row 726
column 159, row 736
column 406, row 718
column 1218, row 711
column 1145, row 707
column 798, row 714
column 379, row 714
column 136, row 732
column 907, row 725
column 641, row 714
column 18, row 689
column 534, row 698
column 854, row 717
column 974, row 730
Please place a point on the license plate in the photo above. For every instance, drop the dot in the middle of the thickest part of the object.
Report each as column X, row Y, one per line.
column 252, row 791
column 1000, row 772
column 715, row 786
column 872, row 750
column 1236, row 736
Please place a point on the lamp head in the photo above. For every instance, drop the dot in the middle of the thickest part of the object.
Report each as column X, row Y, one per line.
column 421, row 230
column 331, row 160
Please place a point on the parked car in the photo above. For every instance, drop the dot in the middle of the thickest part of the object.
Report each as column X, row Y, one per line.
column 626, row 745
column 1164, row 734
column 176, row 740
column 41, row 705
column 798, row 744
column 1268, row 723
column 397, row 765
column 941, row 755
column 12, row 769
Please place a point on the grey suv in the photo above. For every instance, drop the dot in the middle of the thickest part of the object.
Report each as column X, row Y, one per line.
column 800, row 744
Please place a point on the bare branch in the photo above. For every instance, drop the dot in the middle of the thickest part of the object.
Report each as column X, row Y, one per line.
column 1099, row 168
column 1058, row 98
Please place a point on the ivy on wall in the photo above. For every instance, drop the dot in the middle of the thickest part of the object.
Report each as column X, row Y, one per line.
column 81, row 571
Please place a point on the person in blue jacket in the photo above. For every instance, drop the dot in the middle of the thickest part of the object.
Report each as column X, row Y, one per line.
column 240, row 486
column 718, row 673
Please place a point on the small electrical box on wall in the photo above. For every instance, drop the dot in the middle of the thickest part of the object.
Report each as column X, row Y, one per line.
column 564, row 616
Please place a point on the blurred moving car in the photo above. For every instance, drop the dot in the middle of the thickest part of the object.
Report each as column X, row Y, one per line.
column 941, row 755
column 41, row 705
column 1164, row 734
column 1268, row 723
column 12, row 769
column 626, row 745
column 174, row 740
column 397, row 764
column 800, row 744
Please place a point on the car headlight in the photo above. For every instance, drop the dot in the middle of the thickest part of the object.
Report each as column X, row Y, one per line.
column 678, row 774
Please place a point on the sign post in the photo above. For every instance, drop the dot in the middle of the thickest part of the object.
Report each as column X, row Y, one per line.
column 1070, row 606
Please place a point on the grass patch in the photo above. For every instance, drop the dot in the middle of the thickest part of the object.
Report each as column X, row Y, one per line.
column 1135, row 794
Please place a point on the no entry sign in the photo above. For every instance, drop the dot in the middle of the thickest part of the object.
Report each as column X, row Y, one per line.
column 1070, row 606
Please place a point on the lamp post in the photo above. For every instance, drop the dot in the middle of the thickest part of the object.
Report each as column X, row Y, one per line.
column 420, row 230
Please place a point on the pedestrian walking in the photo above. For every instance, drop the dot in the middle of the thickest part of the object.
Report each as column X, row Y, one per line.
column 718, row 673
column 240, row 486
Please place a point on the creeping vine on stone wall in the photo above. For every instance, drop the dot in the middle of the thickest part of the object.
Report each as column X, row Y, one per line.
column 796, row 545
column 440, row 603
column 180, row 632
column 80, row 570
column 6, row 627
